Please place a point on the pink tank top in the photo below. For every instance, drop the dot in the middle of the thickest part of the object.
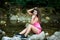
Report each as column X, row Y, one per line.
column 37, row 24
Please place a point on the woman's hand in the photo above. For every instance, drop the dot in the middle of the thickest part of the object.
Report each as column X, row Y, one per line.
column 34, row 19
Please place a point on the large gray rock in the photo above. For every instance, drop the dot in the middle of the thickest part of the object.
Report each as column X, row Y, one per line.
column 40, row 36
column 2, row 32
column 6, row 38
column 55, row 36
column 16, row 38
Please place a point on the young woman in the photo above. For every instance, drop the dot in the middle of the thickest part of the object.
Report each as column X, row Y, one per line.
column 34, row 24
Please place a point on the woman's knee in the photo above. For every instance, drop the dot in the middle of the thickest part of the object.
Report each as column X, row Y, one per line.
column 30, row 25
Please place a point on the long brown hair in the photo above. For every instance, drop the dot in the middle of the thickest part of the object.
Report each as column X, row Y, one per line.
column 38, row 14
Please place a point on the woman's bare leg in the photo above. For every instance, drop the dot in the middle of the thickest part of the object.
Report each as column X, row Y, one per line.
column 28, row 30
column 23, row 31
column 31, row 27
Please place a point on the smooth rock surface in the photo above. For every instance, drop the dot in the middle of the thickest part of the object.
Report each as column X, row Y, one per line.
column 55, row 36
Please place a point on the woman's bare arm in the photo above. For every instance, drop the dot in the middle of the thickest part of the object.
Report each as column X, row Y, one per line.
column 29, row 11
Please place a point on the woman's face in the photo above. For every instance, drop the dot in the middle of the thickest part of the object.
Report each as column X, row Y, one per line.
column 35, row 12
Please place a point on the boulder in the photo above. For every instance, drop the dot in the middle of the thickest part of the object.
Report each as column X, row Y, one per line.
column 40, row 36
column 55, row 36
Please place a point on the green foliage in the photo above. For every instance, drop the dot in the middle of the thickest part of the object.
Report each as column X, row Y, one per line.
column 50, row 18
column 53, row 3
column 31, row 3
column 28, row 3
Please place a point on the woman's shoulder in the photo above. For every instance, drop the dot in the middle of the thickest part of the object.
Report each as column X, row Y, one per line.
column 36, row 17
